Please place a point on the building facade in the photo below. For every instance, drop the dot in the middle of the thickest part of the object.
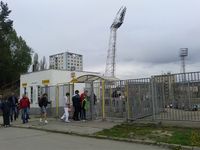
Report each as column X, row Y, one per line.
column 46, row 81
column 66, row 61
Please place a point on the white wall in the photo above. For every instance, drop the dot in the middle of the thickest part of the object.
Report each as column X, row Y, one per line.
column 55, row 77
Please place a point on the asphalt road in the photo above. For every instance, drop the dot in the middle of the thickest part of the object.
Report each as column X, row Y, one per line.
column 19, row 139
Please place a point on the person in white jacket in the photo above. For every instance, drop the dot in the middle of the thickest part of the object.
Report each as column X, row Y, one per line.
column 65, row 116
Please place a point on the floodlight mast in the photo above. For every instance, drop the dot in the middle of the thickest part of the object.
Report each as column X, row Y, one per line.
column 183, row 54
column 110, row 62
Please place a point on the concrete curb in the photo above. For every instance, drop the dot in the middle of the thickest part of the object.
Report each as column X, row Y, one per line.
column 146, row 142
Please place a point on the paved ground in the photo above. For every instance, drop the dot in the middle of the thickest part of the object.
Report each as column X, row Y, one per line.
column 56, row 126
column 18, row 139
column 79, row 127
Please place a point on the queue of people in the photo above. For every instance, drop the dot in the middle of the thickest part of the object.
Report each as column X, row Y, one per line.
column 81, row 105
column 11, row 106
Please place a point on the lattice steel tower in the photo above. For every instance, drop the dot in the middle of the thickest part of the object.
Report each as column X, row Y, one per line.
column 183, row 54
column 110, row 62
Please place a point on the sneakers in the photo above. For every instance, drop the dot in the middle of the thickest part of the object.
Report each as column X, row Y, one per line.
column 67, row 121
column 44, row 121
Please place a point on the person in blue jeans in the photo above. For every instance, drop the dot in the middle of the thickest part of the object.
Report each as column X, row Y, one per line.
column 13, row 106
column 24, row 106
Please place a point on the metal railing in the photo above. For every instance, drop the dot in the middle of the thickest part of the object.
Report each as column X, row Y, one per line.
column 164, row 97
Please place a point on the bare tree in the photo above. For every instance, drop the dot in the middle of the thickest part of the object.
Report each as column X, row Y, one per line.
column 43, row 64
column 35, row 63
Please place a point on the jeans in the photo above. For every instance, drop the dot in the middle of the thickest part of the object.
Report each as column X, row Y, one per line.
column 6, row 119
column 83, row 114
column 13, row 111
column 24, row 112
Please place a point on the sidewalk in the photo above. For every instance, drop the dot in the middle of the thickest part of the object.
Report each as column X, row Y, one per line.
column 88, row 129
column 74, row 127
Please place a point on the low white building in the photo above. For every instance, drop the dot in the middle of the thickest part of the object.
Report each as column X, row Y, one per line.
column 51, row 82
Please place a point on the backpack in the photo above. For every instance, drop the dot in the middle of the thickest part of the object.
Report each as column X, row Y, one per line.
column 40, row 102
column 86, row 104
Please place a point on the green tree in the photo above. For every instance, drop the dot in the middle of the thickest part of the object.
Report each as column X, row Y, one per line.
column 15, row 54
column 5, row 29
column 20, row 54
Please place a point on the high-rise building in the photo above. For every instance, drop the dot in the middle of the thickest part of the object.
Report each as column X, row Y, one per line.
column 66, row 61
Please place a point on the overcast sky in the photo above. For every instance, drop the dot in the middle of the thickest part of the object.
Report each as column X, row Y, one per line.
column 148, row 42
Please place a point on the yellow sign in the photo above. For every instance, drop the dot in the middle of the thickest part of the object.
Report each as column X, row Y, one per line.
column 74, row 80
column 24, row 84
column 45, row 82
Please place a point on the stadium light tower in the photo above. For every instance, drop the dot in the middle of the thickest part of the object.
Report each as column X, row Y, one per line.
column 183, row 54
column 110, row 62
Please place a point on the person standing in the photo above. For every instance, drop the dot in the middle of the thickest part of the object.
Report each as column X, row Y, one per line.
column 76, row 105
column 5, row 106
column 13, row 106
column 24, row 105
column 84, row 107
column 66, row 108
column 82, row 97
column 43, row 102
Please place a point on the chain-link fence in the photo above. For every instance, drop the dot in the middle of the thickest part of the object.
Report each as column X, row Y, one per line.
column 164, row 97
column 177, row 96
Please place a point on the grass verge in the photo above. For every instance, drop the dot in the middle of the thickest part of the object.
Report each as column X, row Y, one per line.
column 152, row 132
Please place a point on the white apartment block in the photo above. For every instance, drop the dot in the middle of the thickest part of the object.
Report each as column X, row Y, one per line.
column 66, row 61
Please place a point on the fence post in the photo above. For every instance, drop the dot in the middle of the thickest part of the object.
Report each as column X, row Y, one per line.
column 92, row 99
column 189, row 95
column 153, row 97
column 127, row 103
column 57, row 101
column 110, row 97
column 103, row 99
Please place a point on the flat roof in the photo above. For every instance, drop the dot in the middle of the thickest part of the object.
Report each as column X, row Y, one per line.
column 65, row 52
column 59, row 70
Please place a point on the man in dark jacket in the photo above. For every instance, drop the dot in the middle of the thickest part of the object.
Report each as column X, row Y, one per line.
column 5, row 106
column 13, row 106
column 77, row 105
column 43, row 102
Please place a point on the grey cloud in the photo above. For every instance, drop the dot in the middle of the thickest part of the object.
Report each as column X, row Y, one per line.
column 152, row 33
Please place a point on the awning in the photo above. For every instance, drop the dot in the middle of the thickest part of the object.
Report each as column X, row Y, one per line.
column 91, row 77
